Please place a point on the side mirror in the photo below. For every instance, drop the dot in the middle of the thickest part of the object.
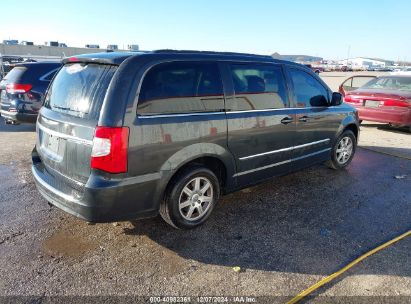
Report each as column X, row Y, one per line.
column 336, row 99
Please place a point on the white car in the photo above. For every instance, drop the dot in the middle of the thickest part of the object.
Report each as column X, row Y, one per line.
column 406, row 71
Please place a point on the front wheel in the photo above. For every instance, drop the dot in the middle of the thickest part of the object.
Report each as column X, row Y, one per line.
column 343, row 150
column 191, row 198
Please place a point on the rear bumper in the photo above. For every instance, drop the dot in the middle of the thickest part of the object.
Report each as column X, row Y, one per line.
column 101, row 200
column 394, row 115
column 18, row 117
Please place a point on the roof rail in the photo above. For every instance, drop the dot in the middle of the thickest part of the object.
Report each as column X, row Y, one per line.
column 209, row 53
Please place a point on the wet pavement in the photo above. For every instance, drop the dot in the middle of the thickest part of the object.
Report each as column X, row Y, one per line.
column 285, row 235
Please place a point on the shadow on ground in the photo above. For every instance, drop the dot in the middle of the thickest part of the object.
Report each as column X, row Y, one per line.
column 393, row 151
column 386, row 127
column 16, row 128
column 311, row 222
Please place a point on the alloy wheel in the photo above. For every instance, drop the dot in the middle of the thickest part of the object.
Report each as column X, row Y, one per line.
column 196, row 198
column 344, row 150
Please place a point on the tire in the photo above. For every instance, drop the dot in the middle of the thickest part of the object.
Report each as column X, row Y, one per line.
column 341, row 153
column 185, row 190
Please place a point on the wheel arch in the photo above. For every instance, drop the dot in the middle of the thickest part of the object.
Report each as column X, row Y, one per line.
column 349, row 123
column 212, row 156
column 354, row 128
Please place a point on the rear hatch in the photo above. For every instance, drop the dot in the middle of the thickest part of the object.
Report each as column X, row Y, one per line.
column 67, row 122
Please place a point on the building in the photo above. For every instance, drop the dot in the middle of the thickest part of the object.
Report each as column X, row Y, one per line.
column 363, row 63
column 298, row 58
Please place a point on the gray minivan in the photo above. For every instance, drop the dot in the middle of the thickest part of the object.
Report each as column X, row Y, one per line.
column 129, row 135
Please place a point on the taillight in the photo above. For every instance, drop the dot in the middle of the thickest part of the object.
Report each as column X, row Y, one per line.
column 15, row 88
column 396, row 103
column 348, row 98
column 110, row 149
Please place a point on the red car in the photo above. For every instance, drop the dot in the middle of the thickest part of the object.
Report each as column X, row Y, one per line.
column 354, row 82
column 384, row 99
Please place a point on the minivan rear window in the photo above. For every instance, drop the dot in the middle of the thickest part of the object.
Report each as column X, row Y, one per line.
column 79, row 89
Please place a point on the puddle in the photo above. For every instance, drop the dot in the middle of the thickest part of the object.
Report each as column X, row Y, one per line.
column 65, row 244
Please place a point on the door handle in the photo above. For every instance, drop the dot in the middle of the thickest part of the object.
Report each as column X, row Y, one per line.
column 286, row 120
column 304, row 119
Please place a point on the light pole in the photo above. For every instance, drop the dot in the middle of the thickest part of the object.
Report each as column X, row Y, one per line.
column 1, row 67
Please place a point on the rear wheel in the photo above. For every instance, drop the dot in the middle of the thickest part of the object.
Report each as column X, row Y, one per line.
column 343, row 150
column 191, row 198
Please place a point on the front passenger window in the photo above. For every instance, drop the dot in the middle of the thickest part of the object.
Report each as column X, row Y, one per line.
column 308, row 92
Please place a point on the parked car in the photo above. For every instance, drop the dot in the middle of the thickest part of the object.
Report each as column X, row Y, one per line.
column 402, row 71
column 384, row 99
column 354, row 82
column 169, row 132
column 92, row 46
column 22, row 91
column 8, row 63
column 315, row 69
column 346, row 68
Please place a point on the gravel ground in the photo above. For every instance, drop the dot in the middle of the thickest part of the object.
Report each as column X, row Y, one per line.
column 285, row 235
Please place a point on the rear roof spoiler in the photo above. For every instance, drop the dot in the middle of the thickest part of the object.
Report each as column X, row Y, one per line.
column 113, row 58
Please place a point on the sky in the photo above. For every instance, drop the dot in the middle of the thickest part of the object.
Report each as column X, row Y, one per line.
column 329, row 29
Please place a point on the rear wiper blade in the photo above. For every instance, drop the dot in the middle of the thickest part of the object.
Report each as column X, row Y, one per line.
column 61, row 108
column 65, row 109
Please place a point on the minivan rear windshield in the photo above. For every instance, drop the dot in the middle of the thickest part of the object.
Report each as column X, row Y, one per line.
column 79, row 89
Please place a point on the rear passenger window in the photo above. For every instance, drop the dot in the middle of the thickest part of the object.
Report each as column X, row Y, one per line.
column 181, row 87
column 308, row 92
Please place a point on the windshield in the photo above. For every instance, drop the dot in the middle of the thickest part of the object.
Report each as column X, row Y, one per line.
column 389, row 83
column 79, row 89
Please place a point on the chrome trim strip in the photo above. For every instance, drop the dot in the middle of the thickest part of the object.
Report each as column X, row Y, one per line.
column 286, row 149
column 265, row 110
column 179, row 115
column 280, row 163
column 227, row 112
column 54, row 190
column 65, row 136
